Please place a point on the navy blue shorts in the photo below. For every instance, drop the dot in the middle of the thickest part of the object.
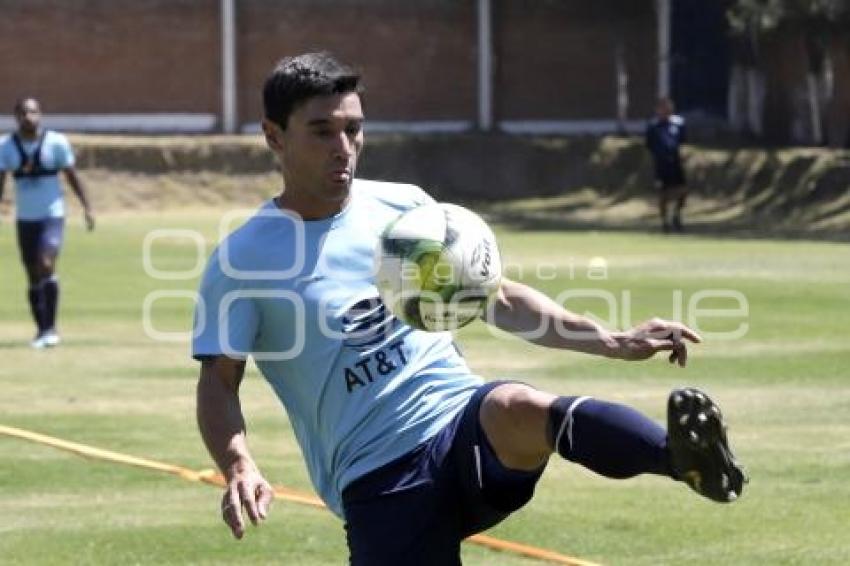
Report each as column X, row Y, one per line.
column 39, row 237
column 417, row 509
column 670, row 175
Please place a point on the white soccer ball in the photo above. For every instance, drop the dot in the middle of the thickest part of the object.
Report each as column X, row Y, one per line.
column 437, row 265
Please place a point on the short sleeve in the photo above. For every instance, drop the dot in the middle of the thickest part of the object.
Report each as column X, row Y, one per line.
column 226, row 320
column 63, row 153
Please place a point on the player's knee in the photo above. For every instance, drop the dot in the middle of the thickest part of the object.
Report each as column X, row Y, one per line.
column 45, row 267
column 509, row 403
column 514, row 417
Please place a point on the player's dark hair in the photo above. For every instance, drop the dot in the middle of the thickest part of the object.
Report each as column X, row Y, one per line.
column 296, row 79
column 19, row 103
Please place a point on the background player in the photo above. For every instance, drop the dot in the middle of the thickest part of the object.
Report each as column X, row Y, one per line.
column 35, row 156
column 665, row 133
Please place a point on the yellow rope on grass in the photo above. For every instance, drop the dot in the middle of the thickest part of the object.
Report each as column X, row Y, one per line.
column 282, row 493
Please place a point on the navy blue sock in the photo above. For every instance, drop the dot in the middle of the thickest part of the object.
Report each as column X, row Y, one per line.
column 610, row 439
column 36, row 300
column 50, row 288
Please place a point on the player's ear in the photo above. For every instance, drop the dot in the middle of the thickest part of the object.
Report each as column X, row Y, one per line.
column 273, row 134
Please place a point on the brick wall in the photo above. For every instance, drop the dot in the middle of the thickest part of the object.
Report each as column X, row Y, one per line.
column 418, row 58
column 103, row 56
column 553, row 59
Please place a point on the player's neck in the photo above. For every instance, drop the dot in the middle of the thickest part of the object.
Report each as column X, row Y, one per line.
column 309, row 209
column 31, row 135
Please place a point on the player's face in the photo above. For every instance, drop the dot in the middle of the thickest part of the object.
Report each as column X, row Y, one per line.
column 318, row 153
column 28, row 116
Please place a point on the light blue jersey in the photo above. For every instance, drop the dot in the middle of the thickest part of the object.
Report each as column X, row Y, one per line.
column 38, row 197
column 360, row 387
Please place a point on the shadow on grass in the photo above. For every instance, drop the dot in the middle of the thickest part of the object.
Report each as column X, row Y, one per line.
column 24, row 344
column 563, row 217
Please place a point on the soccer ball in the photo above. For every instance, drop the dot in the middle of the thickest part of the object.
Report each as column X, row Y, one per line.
column 436, row 266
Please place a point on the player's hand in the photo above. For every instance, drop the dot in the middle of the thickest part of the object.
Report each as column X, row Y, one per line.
column 246, row 488
column 653, row 336
column 5, row 207
column 89, row 217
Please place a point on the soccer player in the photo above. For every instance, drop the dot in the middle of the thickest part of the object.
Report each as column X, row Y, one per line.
column 35, row 156
column 402, row 441
column 665, row 133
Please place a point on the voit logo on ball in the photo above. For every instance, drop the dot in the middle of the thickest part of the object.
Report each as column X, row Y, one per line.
column 482, row 254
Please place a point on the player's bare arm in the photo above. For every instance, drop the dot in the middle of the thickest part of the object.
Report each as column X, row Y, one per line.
column 522, row 310
column 222, row 427
column 77, row 187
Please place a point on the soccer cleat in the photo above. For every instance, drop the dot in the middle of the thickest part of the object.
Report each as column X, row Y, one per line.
column 699, row 452
column 38, row 343
column 51, row 338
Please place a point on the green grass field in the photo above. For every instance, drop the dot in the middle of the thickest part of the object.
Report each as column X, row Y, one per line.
column 784, row 386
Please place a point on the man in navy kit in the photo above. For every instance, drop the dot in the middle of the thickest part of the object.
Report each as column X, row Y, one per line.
column 665, row 133
column 402, row 441
column 35, row 157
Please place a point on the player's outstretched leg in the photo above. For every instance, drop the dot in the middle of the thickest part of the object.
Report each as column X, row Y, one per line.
column 619, row 442
column 699, row 451
column 613, row 440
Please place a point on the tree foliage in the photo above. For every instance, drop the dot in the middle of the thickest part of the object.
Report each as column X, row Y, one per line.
column 760, row 16
column 818, row 21
column 820, row 27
